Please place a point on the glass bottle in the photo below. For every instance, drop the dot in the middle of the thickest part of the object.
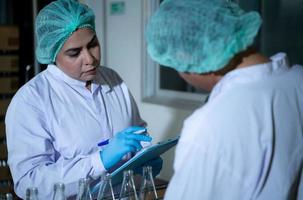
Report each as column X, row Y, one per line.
column 106, row 188
column 83, row 191
column 147, row 187
column 32, row 193
column 59, row 193
column 9, row 196
column 128, row 189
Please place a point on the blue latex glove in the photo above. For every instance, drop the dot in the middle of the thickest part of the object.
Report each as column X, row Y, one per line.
column 124, row 142
column 155, row 163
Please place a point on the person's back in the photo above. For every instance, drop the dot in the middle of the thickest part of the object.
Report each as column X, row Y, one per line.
column 282, row 177
column 246, row 142
column 287, row 160
column 259, row 115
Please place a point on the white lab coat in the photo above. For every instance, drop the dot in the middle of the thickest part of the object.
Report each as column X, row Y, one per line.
column 53, row 125
column 246, row 142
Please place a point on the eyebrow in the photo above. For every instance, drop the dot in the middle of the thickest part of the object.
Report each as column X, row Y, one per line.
column 79, row 48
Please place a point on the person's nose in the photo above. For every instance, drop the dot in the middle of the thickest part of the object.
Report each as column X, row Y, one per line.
column 88, row 57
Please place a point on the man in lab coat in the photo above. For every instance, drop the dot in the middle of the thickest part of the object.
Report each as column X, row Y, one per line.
column 246, row 142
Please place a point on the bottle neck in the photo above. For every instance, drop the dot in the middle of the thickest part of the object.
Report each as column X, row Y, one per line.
column 83, row 191
column 32, row 193
column 59, row 191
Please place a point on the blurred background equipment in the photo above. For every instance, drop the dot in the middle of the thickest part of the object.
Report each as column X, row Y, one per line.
column 17, row 65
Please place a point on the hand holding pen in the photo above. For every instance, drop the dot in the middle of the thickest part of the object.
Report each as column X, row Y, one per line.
column 142, row 130
column 124, row 142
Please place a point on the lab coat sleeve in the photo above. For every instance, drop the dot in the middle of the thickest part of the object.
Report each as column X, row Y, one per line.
column 32, row 158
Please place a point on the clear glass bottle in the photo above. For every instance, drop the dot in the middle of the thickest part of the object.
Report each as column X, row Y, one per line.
column 59, row 191
column 84, row 191
column 32, row 193
column 128, row 189
column 9, row 196
column 147, row 187
column 106, row 188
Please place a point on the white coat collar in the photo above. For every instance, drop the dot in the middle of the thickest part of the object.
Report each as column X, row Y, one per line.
column 278, row 64
column 57, row 72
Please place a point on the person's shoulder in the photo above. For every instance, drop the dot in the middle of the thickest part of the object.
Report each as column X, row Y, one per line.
column 108, row 71
column 222, row 105
column 108, row 76
column 298, row 69
column 33, row 88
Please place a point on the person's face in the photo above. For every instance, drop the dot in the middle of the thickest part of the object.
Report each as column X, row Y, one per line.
column 202, row 81
column 80, row 55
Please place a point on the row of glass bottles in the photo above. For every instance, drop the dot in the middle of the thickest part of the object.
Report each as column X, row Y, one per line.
column 128, row 189
column 7, row 196
column 59, row 191
column 147, row 188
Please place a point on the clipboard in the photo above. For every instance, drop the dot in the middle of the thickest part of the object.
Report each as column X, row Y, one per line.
column 140, row 158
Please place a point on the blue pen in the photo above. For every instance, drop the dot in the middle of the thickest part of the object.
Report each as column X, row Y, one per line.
column 105, row 142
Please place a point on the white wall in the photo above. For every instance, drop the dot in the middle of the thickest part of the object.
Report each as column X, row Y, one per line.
column 98, row 7
column 123, row 52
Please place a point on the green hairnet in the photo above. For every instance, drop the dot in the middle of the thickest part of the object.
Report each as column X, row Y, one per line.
column 56, row 22
column 199, row 36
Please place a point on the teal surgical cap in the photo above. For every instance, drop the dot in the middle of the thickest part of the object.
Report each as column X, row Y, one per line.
column 55, row 23
column 199, row 36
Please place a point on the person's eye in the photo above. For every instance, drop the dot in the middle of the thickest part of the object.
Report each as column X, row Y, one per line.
column 73, row 54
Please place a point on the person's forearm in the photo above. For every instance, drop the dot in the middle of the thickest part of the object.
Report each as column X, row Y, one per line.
column 68, row 171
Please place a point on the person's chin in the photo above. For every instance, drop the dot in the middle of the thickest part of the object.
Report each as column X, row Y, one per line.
column 88, row 78
column 90, row 75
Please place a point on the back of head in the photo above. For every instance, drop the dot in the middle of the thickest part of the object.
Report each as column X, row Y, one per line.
column 55, row 23
column 199, row 36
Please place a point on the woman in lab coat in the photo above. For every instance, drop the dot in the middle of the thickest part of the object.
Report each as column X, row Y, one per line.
column 55, row 121
column 246, row 142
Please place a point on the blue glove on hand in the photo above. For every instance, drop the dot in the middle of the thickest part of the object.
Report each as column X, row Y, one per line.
column 155, row 163
column 124, row 142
